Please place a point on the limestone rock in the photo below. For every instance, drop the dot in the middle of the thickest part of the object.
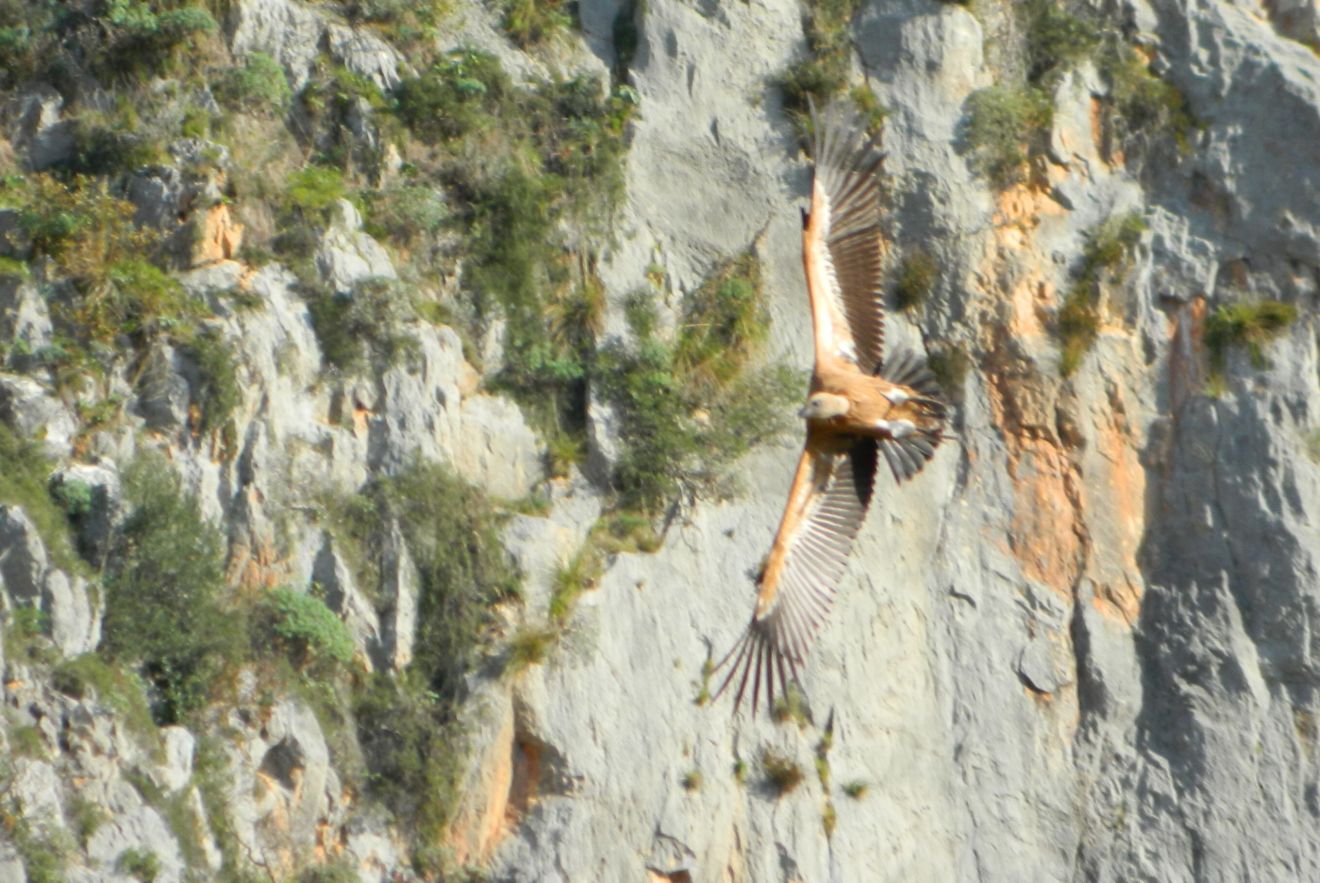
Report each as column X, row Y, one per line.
column 24, row 320
column 33, row 123
column 347, row 256
column 132, row 824
column 28, row 577
column 101, row 483
column 26, row 406
column 496, row 449
column 288, row 31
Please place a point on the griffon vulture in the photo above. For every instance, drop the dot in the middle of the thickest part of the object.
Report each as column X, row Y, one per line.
column 859, row 407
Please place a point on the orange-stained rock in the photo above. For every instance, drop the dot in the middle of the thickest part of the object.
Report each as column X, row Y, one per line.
column 1116, row 491
column 219, row 236
column 480, row 822
column 1186, row 332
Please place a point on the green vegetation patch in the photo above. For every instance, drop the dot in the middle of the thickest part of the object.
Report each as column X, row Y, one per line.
column 307, row 631
column 90, row 675
column 140, row 864
column 691, row 407
column 823, row 72
column 1055, row 39
column 1006, row 127
column 25, row 482
column 529, row 646
column 1142, row 102
column 116, row 41
column 216, row 392
column 782, row 773
column 164, row 582
column 406, row 726
column 258, row 86
column 530, row 23
column 1079, row 317
column 413, row 749
column 917, row 275
column 364, row 327
column 1249, row 325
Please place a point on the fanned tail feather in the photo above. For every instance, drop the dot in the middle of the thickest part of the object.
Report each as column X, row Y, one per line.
column 754, row 659
column 906, row 456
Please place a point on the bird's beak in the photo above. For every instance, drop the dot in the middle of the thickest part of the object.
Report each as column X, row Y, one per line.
column 802, row 412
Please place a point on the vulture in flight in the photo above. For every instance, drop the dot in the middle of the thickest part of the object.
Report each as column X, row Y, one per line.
column 860, row 408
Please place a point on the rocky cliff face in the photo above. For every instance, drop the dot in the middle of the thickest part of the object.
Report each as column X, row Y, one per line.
column 1077, row 646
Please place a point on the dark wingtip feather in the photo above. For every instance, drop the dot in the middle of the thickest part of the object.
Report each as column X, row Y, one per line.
column 756, row 659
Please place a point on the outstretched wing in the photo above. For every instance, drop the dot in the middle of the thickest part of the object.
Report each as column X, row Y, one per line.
column 826, row 506
column 841, row 244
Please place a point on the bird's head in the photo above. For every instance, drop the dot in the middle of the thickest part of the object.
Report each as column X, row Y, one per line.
column 823, row 406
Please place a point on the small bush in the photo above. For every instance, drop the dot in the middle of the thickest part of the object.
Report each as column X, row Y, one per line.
column 140, row 864
column 312, row 191
column 405, row 213
column 259, row 85
column 873, row 113
column 91, row 237
column 1250, row 325
column 25, row 482
column 140, row 41
column 724, row 323
column 823, row 73
column 829, row 819
column 105, row 147
column 364, row 327
column 305, row 629
column 26, row 635
column 91, row 676
column 1142, row 102
column 164, row 580
column 86, row 817
column 691, row 780
column 217, row 391
column 917, row 276
column 73, row 496
column 142, row 301
column 454, row 96
column 1079, row 325
column 791, row 707
column 529, row 646
column 1055, row 38
column 572, row 579
column 691, row 409
column 856, row 789
column 677, row 444
column 411, row 748
column 532, row 22
column 782, row 773
column 1005, row 129
column 1079, row 316
column 949, row 363
column 452, row 532
column 340, row 871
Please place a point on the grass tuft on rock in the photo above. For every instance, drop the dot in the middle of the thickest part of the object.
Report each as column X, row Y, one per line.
column 691, row 407
column 25, row 482
column 1248, row 325
column 164, row 584
column 917, row 275
column 1078, row 319
column 782, row 773
column 1006, row 127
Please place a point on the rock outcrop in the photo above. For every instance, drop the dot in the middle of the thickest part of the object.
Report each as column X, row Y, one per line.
column 1075, row 647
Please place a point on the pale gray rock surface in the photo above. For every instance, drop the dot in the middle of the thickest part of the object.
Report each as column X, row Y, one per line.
column 347, row 255
column 1076, row 647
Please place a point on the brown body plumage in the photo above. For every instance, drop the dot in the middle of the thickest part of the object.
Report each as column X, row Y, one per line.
column 859, row 408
